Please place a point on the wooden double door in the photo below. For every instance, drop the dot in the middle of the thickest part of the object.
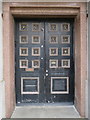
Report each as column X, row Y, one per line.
column 44, row 60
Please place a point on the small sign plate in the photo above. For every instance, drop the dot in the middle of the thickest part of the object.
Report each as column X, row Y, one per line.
column 30, row 69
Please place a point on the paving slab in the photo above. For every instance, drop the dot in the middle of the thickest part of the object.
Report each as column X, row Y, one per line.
column 45, row 112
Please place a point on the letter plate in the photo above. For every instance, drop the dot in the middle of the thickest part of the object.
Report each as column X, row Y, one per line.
column 30, row 69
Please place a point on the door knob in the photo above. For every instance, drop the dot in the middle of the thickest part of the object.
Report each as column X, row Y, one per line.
column 46, row 70
column 41, row 46
column 46, row 74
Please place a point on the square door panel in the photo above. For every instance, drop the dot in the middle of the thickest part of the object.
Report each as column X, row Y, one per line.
column 36, row 27
column 65, row 63
column 35, row 63
column 53, row 27
column 23, row 51
column 53, row 51
column 35, row 39
column 23, row 26
column 53, row 63
column 53, row 39
column 65, row 39
column 36, row 51
column 29, row 85
column 65, row 27
column 23, row 39
column 66, row 51
column 23, row 63
column 59, row 85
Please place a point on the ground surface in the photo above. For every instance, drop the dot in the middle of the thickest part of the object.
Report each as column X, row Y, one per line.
column 45, row 112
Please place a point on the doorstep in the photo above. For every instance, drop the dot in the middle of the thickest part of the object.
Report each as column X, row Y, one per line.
column 45, row 112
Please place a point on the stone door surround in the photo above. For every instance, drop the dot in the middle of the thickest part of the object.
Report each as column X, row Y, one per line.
column 77, row 11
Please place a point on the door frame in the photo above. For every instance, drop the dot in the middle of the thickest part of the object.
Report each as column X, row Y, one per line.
column 45, row 9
